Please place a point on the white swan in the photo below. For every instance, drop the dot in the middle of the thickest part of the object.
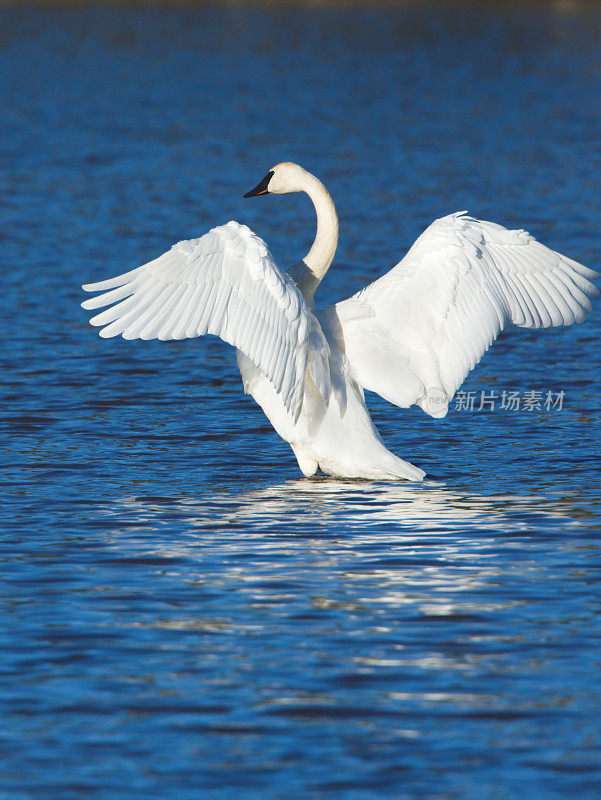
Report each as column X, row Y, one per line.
column 412, row 336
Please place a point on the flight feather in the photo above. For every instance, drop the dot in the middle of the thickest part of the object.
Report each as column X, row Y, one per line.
column 413, row 335
column 224, row 283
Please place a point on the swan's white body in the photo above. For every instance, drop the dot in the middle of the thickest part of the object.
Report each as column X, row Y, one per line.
column 412, row 336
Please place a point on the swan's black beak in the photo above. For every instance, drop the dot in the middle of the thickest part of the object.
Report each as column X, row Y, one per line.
column 261, row 188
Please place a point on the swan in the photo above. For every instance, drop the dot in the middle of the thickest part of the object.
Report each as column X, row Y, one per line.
column 412, row 336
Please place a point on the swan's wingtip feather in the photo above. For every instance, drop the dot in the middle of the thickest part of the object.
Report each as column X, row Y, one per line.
column 105, row 333
column 89, row 304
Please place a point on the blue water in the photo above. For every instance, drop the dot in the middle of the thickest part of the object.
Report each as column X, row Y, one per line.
column 182, row 616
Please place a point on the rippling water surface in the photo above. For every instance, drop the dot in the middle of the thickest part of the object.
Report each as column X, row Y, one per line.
column 183, row 617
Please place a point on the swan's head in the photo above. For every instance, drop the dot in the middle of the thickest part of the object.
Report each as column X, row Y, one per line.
column 281, row 179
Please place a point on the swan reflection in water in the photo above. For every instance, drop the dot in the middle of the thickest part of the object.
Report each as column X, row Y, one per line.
column 348, row 511
column 334, row 546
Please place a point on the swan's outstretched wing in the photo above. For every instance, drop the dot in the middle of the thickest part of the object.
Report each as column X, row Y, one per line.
column 225, row 283
column 413, row 335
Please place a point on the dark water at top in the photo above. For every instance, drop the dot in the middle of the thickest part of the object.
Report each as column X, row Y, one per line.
column 183, row 617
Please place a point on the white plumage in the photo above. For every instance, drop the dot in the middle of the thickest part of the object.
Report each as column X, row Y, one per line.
column 437, row 312
column 412, row 336
column 227, row 284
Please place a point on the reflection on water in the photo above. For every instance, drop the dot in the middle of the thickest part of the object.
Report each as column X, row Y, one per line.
column 397, row 625
column 182, row 617
column 387, row 511
column 424, row 546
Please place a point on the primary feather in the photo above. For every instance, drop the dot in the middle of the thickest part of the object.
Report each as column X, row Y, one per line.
column 227, row 284
column 413, row 335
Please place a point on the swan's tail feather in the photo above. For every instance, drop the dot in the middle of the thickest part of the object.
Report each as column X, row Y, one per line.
column 403, row 469
column 384, row 468
column 385, row 465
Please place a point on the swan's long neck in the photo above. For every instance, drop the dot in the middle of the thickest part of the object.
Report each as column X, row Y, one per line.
column 317, row 261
